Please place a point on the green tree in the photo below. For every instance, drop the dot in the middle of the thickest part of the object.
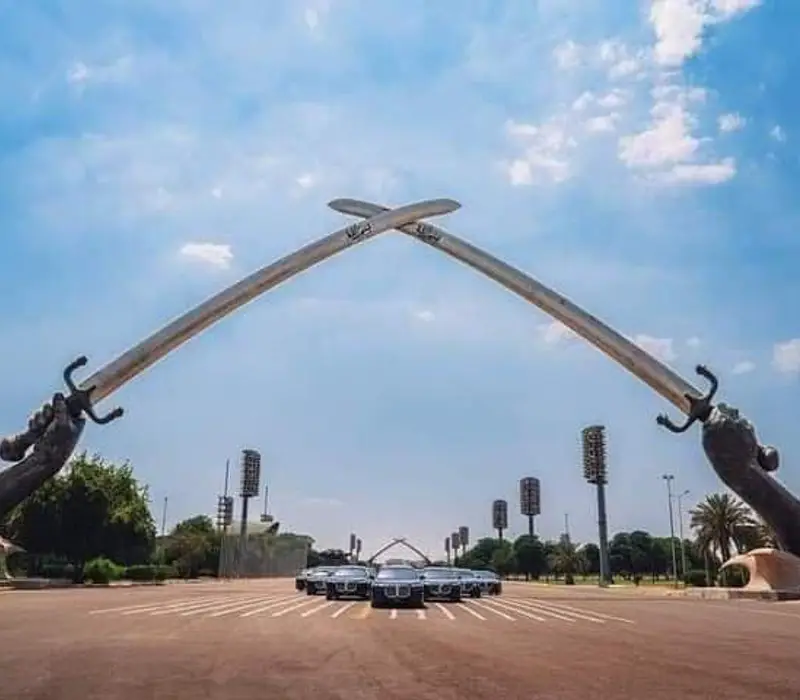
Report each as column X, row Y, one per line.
column 530, row 556
column 193, row 546
column 566, row 559
column 591, row 557
column 93, row 508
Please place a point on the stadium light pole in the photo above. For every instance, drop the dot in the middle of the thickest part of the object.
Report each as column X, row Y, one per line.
column 447, row 549
column 250, row 486
column 530, row 501
column 595, row 471
column 500, row 517
column 669, row 478
column 679, row 498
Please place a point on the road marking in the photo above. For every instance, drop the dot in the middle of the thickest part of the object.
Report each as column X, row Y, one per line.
column 341, row 610
column 150, row 606
column 469, row 609
column 421, row 615
column 297, row 606
column 363, row 613
column 445, row 611
column 493, row 610
column 228, row 609
column 264, row 608
column 584, row 614
column 555, row 614
column 309, row 613
column 199, row 610
column 393, row 614
column 519, row 610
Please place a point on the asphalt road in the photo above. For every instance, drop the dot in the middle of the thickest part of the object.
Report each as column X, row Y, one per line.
column 260, row 640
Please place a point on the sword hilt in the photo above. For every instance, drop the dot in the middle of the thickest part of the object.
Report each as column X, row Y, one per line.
column 80, row 400
column 699, row 408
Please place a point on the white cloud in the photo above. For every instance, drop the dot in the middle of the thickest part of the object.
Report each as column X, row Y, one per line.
column 311, row 18
column 679, row 25
column 567, row 55
column 545, row 155
column 703, row 174
column 306, row 180
column 731, row 122
column 668, row 149
column 556, row 332
column 778, row 134
column 743, row 367
column 604, row 123
column 215, row 254
column 425, row 315
column 786, row 356
column 662, row 348
column 693, row 342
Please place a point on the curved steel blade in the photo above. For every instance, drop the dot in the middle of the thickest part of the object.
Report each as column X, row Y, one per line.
column 140, row 357
column 641, row 364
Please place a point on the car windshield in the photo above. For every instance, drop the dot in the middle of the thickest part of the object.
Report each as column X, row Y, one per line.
column 485, row 574
column 387, row 574
column 354, row 571
column 441, row 573
column 322, row 570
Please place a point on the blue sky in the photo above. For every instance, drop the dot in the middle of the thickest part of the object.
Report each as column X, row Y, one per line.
column 639, row 157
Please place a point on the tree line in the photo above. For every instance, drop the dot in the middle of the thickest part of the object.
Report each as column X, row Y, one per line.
column 93, row 521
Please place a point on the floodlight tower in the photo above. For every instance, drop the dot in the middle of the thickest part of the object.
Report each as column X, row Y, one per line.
column 500, row 517
column 463, row 538
column 595, row 471
column 249, row 488
column 529, row 500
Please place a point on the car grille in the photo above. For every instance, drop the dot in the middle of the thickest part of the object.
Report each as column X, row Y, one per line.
column 404, row 591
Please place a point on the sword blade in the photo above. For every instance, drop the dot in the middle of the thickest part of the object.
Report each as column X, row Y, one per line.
column 136, row 360
column 658, row 376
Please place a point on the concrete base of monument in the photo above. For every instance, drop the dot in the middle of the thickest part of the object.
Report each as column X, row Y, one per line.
column 769, row 570
column 739, row 594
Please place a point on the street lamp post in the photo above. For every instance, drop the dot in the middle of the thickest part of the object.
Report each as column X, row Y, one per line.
column 679, row 498
column 669, row 478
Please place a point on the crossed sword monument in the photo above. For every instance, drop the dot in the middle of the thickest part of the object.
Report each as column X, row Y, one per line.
column 729, row 440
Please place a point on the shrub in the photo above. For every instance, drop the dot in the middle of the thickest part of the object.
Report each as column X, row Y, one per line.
column 162, row 573
column 101, row 570
column 140, row 572
column 696, row 578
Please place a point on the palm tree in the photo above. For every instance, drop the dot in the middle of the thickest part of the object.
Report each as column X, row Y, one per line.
column 723, row 525
column 567, row 558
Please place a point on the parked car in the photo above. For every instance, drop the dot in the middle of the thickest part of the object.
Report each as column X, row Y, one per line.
column 490, row 583
column 317, row 578
column 300, row 580
column 349, row 581
column 470, row 583
column 397, row 585
column 440, row 583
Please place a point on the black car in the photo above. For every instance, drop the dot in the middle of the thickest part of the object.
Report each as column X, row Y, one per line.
column 440, row 583
column 300, row 580
column 349, row 582
column 490, row 582
column 317, row 578
column 397, row 585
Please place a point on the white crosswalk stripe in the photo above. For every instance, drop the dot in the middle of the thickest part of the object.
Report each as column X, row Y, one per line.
column 500, row 610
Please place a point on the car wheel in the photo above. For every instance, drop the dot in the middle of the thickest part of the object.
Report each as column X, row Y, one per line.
column 374, row 603
column 329, row 595
column 309, row 591
column 476, row 593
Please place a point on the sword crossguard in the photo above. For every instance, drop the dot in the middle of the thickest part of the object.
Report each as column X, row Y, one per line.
column 699, row 408
column 80, row 400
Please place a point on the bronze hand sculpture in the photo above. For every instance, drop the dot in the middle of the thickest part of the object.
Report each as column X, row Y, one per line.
column 52, row 434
